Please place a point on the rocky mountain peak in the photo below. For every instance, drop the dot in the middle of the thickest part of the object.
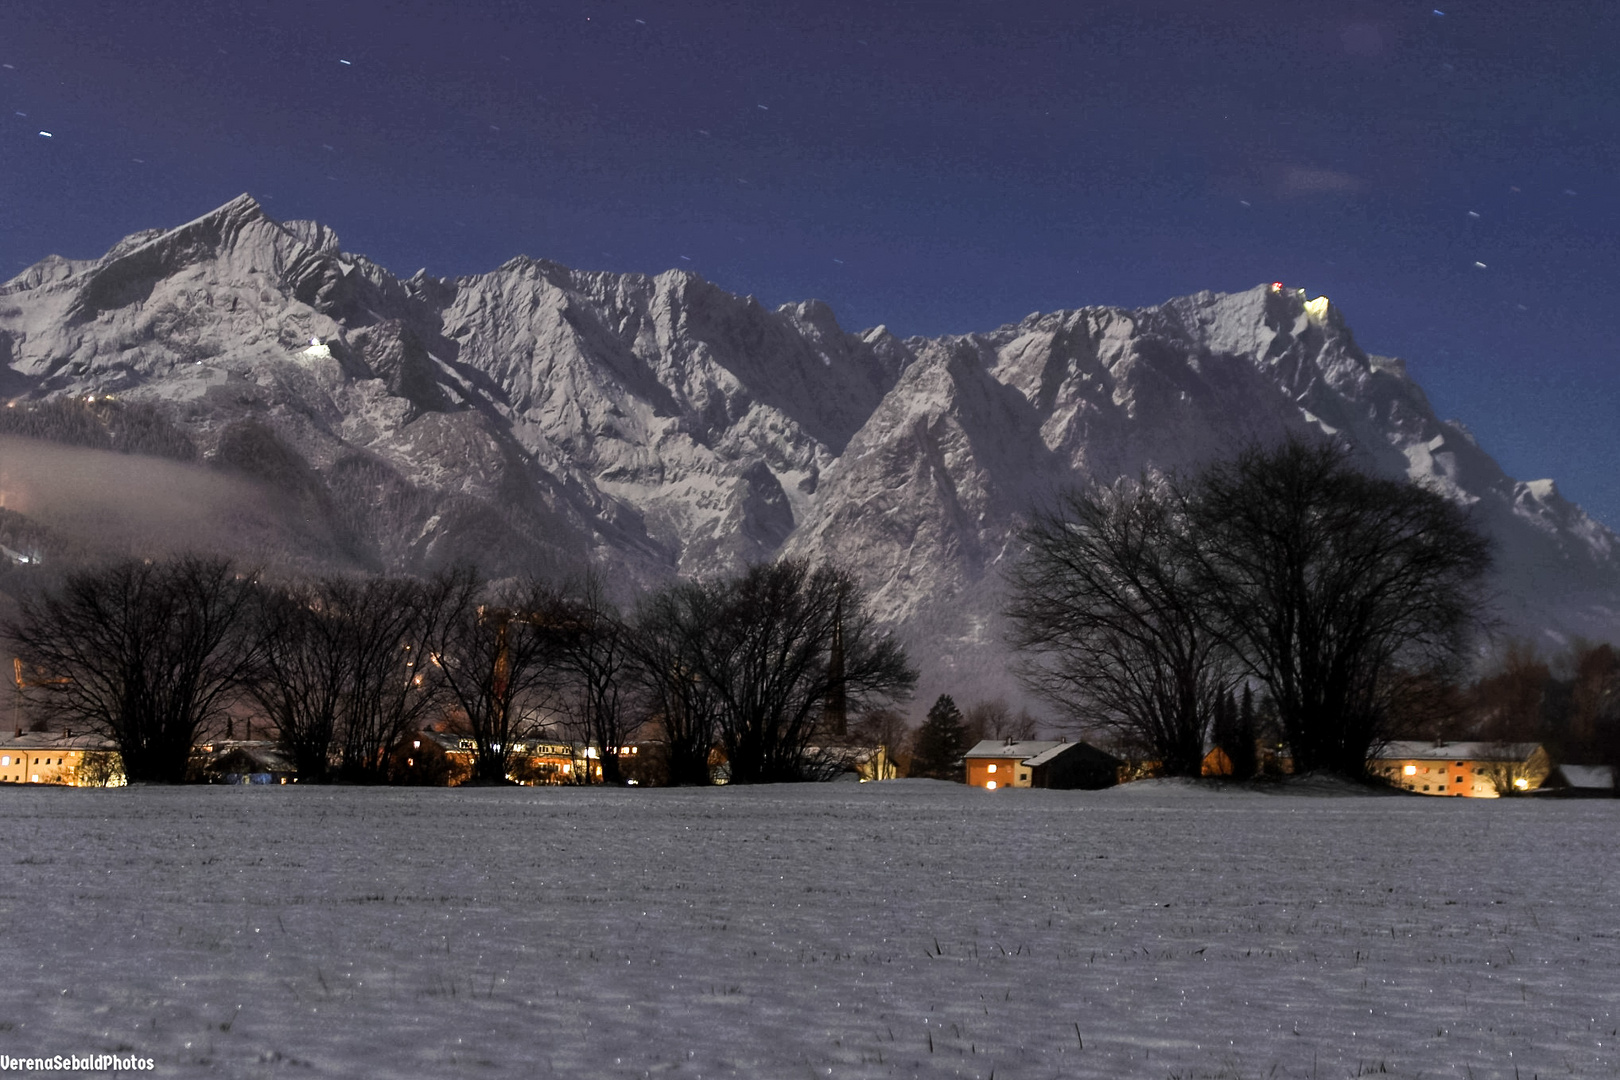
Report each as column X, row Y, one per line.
column 659, row 425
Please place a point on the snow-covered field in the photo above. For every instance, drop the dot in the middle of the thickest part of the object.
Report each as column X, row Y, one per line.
column 897, row 929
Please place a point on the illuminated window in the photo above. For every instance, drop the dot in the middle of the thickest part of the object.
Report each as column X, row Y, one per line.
column 1410, row 770
column 1521, row 783
column 5, row 760
column 990, row 785
column 992, row 768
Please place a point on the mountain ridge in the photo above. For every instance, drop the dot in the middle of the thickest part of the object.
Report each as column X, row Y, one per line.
column 657, row 424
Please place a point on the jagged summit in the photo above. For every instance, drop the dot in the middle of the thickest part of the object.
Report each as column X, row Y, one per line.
column 663, row 425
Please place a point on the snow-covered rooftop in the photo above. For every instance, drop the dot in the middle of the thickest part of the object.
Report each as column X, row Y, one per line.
column 1596, row 777
column 1029, row 751
column 1423, row 750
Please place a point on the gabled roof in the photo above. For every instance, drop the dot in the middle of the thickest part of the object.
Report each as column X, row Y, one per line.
column 1423, row 750
column 250, row 757
column 56, row 740
column 1022, row 750
column 1595, row 777
column 1027, row 751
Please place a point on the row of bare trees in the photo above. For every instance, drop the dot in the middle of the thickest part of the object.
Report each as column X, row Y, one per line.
column 1343, row 596
column 156, row 655
column 747, row 663
column 1568, row 700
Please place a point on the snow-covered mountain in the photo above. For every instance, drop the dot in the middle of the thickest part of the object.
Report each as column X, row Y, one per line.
column 661, row 425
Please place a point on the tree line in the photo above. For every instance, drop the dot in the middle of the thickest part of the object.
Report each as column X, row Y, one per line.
column 1154, row 609
column 1568, row 700
column 156, row 654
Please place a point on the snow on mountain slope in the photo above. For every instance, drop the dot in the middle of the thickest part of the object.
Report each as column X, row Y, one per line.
column 661, row 425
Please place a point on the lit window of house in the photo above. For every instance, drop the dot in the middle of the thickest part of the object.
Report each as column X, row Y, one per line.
column 992, row 766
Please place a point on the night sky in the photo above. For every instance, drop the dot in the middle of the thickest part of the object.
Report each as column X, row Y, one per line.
column 1448, row 177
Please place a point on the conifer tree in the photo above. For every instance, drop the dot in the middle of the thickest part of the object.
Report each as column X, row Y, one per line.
column 940, row 742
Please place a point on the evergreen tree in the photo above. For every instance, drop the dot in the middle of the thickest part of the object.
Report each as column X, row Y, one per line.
column 1235, row 733
column 940, row 742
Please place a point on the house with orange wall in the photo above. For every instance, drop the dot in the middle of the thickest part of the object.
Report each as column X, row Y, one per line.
column 1473, row 770
column 1002, row 763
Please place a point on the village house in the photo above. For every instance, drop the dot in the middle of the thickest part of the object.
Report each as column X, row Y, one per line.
column 1475, row 770
column 60, row 757
column 1579, row 782
column 997, row 763
column 244, row 761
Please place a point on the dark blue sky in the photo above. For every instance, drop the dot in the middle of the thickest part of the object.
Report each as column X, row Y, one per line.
column 936, row 167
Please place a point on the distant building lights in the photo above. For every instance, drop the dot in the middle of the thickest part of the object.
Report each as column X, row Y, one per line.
column 990, row 785
column 1410, row 770
column 992, row 766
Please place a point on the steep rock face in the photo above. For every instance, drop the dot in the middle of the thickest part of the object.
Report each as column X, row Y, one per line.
column 541, row 415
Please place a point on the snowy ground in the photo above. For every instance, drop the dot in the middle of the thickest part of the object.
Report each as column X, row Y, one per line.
column 898, row 929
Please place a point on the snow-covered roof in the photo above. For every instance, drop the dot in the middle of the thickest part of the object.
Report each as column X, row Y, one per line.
column 1028, row 751
column 1597, row 777
column 55, row 740
column 259, row 755
column 1423, row 750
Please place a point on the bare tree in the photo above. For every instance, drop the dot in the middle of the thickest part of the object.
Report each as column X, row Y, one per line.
column 768, row 659
column 994, row 719
column 671, row 626
column 300, row 675
column 1594, row 699
column 1508, row 702
column 389, row 624
column 888, row 729
column 748, row 661
column 339, row 672
column 1335, row 587
column 148, row 653
column 597, row 653
column 1104, row 598
column 497, row 653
